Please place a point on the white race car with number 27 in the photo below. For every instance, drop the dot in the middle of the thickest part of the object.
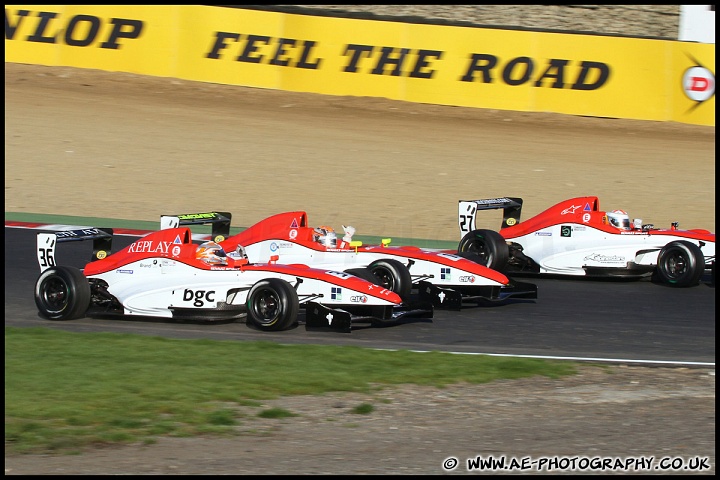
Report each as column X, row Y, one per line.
column 575, row 237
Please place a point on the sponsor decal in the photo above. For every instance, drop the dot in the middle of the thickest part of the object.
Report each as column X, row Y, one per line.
column 359, row 299
column 698, row 84
column 342, row 275
column 493, row 201
column 196, row 216
column 219, row 238
column 579, row 228
column 445, row 273
column 293, row 234
column 124, row 271
column 198, row 297
column 570, row 210
column 511, row 221
column 146, row 265
column 587, row 207
column 566, row 231
column 586, row 217
column 149, row 246
column 274, row 246
column 294, row 223
column 596, row 257
column 177, row 239
column 449, row 256
column 336, row 294
column 543, row 234
column 77, row 233
column 101, row 254
column 467, row 278
column 175, row 251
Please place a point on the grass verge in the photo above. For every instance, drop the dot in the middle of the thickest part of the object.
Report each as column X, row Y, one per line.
column 65, row 391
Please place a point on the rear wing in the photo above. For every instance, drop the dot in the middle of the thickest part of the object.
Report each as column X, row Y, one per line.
column 467, row 210
column 47, row 241
column 220, row 222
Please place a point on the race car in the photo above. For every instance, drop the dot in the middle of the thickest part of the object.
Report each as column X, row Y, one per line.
column 166, row 274
column 574, row 237
column 446, row 280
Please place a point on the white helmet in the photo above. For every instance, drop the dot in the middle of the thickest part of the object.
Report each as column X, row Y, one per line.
column 619, row 219
column 326, row 236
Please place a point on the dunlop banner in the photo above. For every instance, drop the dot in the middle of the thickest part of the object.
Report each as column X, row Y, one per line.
column 472, row 67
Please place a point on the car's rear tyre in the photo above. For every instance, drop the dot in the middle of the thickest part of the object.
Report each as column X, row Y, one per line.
column 393, row 275
column 62, row 293
column 681, row 264
column 272, row 305
column 486, row 247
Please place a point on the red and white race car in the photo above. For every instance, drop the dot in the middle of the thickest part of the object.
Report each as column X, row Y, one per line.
column 575, row 237
column 165, row 274
column 446, row 280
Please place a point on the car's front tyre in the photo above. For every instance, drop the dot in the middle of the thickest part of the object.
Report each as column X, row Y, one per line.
column 272, row 305
column 62, row 293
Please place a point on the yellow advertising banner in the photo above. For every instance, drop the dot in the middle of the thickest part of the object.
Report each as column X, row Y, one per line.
column 463, row 66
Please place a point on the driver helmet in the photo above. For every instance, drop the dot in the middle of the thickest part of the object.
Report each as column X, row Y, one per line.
column 326, row 236
column 619, row 219
column 211, row 253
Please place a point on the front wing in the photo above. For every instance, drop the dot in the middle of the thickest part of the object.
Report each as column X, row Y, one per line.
column 453, row 298
column 319, row 317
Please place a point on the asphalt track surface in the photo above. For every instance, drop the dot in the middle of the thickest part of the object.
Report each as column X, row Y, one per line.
column 615, row 321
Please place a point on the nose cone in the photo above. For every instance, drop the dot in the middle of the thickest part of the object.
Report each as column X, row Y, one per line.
column 483, row 271
column 394, row 298
column 383, row 293
column 496, row 276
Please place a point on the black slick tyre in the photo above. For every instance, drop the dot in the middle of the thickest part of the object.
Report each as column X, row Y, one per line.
column 486, row 247
column 272, row 305
column 62, row 293
column 393, row 275
column 680, row 264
